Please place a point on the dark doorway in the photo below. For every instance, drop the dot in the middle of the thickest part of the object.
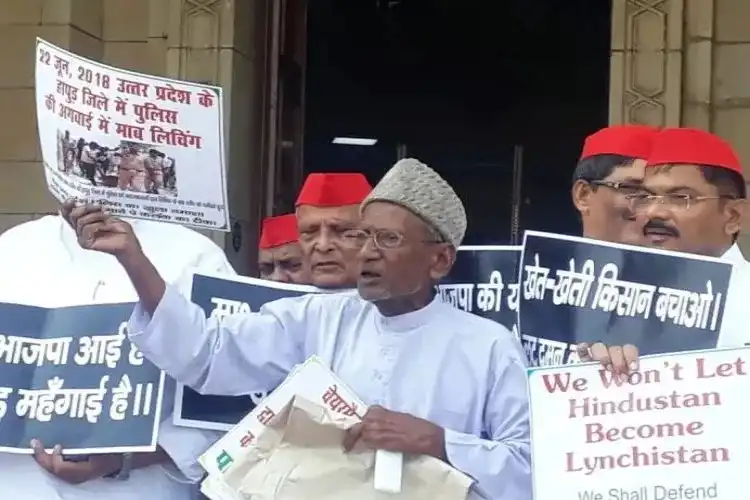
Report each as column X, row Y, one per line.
column 460, row 84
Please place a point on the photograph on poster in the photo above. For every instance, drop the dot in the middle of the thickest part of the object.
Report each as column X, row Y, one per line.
column 127, row 165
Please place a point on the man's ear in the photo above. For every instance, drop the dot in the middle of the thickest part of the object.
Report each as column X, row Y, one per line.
column 581, row 195
column 442, row 262
column 736, row 211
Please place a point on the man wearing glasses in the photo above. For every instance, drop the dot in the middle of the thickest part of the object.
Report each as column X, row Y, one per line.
column 611, row 167
column 692, row 200
column 326, row 208
column 453, row 383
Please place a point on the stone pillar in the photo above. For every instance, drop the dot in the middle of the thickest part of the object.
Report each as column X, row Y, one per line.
column 208, row 41
column 683, row 63
column 74, row 24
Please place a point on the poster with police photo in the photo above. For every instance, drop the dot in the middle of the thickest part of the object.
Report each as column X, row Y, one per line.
column 578, row 290
column 70, row 377
column 483, row 281
column 219, row 295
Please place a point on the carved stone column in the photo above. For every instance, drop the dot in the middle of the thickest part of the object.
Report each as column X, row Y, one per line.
column 646, row 62
column 215, row 41
column 74, row 24
column 210, row 41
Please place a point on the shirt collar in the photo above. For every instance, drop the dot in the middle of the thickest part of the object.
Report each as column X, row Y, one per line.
column 734, row 255
column 410, row 320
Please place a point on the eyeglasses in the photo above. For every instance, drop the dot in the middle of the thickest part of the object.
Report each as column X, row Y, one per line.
column 384, row 239
column 625, row 188
column 640, row 201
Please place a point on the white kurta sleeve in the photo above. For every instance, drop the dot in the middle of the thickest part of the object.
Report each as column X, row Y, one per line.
column 184, row 446
column 230, row 356
column 500, row 465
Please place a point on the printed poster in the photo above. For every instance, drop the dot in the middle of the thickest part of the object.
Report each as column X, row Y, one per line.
column 144, row 147
column 219, row 295
column 575, row 290
column 675, row 429
column 70, row 376
column 311, row 380
column 484, row 281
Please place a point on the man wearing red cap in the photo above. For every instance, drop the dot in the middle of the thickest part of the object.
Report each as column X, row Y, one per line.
column 692, row 201
column 611, row 167
column 279, row 253
column 328, row 208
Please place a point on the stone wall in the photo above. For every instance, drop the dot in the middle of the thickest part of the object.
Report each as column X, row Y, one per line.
column 210, row 41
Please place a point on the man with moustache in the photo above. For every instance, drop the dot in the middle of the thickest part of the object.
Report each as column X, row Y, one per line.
column 692, row 200
column 453, row 383
column 327, row 208
column 279, row 252
column 611, row 167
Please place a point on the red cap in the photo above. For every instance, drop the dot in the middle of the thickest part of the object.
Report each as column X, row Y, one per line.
column 278, row 231
column 693, row 147
column 633, row 141
column 333, row 190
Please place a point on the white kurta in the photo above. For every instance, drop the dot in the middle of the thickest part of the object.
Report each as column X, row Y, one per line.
column 462, row 372
column 41, row 264
column 735, row 329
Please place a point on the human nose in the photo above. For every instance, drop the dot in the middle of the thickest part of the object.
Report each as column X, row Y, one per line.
column 656, row 208
column 369, row 249
column 324, row 242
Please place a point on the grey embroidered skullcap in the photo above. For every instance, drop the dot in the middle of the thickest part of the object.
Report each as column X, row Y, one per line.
column 416, row 187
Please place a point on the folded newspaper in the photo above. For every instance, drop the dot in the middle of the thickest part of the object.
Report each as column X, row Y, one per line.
column 289, row 447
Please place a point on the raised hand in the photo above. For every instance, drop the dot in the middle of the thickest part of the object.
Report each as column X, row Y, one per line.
column 98, row 230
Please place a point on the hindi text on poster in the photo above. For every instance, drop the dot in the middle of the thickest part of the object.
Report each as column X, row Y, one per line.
column 220, row 296
column 71, row 377
column 142, row 146
column 575, row 290
column 484, row 281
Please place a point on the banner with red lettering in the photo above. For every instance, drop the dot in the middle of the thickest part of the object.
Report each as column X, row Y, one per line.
column 674, row 429
column 145, row 147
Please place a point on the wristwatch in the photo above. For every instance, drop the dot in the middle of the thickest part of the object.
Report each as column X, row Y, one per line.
column 125, row 467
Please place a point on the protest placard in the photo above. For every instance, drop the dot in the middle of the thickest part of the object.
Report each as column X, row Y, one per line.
column 219, row 295
column 483, row 281
column 70, row 376
column 577, row 290
column 143, row 146
column 311, row 380
column 672, row 430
